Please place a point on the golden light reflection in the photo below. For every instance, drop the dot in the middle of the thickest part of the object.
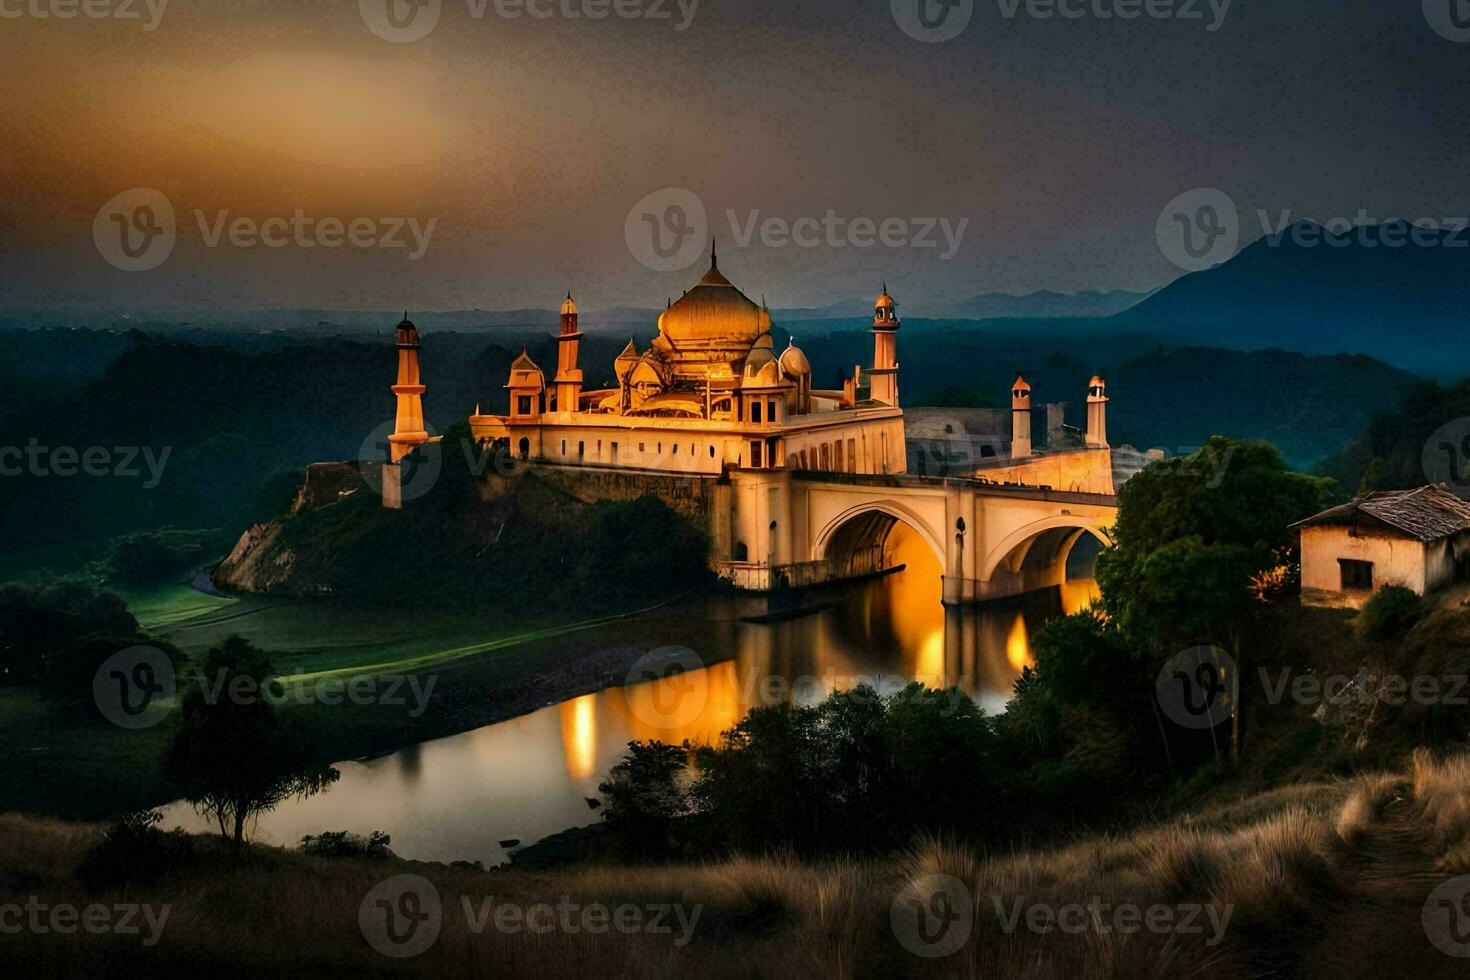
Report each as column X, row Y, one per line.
column 1079, row 594
column 579, row 736
column 1018, row 645
column 915, row 609
column 696, row 706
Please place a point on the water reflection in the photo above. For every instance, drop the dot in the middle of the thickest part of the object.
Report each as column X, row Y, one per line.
column 455, row 798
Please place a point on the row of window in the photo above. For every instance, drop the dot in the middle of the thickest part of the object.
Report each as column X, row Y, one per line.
column 828, row 458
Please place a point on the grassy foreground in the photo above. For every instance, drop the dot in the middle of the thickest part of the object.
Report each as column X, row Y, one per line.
column 1291, row 882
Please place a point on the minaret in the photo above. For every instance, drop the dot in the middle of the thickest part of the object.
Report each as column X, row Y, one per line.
column 1020, row 419
column 568, row 378
column 1097, row 413
column 883, row 381
column 408, row 426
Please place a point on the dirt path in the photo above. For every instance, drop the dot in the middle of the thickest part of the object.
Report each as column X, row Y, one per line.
column 1376, row 929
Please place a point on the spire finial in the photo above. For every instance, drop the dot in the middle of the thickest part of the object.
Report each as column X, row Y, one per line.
column 712, row 262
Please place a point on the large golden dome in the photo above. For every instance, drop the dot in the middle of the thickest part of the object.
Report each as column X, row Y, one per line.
column 713, row 314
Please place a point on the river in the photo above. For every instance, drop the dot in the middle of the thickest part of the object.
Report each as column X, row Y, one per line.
column 460, row 797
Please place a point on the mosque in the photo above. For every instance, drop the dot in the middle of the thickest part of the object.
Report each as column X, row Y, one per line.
column 712, row 399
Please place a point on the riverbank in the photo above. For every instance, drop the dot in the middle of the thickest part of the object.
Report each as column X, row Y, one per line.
column 471, row 671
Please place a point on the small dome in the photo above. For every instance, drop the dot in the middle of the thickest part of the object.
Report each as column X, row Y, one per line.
column 1020, row 384
column 568, row 305
column 759, row 358
column 794, row 362
column 764, row 340
column 1096, row 382
column 884, row 301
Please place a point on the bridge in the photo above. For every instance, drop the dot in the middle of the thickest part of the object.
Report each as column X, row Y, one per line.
column 992, row 539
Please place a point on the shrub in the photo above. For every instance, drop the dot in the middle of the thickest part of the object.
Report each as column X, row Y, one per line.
column 134, row 850
column 344, row 843
column 39, row 621
column 1391, row 611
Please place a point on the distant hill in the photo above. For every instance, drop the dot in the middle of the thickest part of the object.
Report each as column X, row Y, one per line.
column 995, row 306
column 1407, row 305
column 1415, row 443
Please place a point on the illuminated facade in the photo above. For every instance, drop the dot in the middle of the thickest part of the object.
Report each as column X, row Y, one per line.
column 709, row 395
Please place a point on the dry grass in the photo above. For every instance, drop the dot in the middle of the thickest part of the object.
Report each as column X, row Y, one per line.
column 1365, row 804
column 278, row 912
column 1442, row 789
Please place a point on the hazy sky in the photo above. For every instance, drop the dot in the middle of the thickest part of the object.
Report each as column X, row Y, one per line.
column 1054, row 141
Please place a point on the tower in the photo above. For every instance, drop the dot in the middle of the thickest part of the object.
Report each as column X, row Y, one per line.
column 1020, row 419
column 568, row 378
column 408, row 425
column 526, row 385
column 883, row 382
column 1097, row 414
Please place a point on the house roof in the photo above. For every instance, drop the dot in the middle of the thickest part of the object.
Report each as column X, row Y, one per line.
column 1425, row 513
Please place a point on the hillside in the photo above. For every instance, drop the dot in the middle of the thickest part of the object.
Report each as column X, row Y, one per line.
column 1405, row 305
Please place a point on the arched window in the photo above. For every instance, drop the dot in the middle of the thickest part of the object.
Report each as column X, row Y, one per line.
column 742, row 553
column 525, row 447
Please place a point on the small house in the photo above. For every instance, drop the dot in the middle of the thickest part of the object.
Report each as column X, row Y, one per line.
column 1418, row 539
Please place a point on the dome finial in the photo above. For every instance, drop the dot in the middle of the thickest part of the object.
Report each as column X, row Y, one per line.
column 712, row 263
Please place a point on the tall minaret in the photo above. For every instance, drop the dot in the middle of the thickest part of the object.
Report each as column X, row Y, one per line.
column 1020, row 419
column 408, row 426
column 883, row 381
column 568, row 378
column 1097, row 417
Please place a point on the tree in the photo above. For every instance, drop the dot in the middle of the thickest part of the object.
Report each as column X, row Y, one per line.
column 1193, row 535
column 235, row 757
column 38, row 622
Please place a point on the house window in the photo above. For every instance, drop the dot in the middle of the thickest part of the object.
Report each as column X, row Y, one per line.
column 525, row 447
column 826, row 458
column 755, row 412
column 837, row 456
column 852, row 455
column 742, row 553
column 581, row 451
column 563, row 449
column 755, row 454
column 711, row 452
column 640, row 447
column 614, row 452
column 771, row 409
column 1356, row 574
column 523, row 404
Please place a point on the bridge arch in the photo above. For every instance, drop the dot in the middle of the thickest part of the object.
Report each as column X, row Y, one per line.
column 1043, row 543
column 856, row 536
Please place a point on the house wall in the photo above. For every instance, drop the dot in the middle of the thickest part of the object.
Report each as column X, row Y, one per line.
column 1397, row 560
